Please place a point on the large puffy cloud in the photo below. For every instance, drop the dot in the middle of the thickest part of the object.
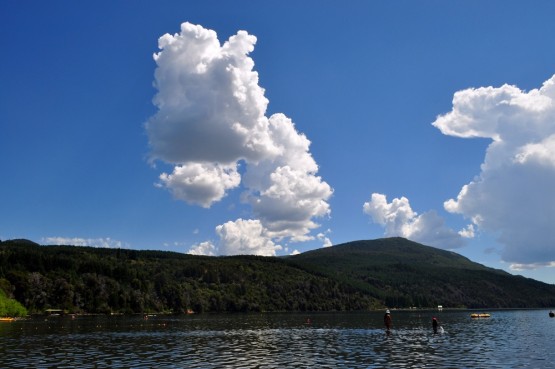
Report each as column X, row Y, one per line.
column 514, row 194
column 398, row 219
column 284, row 190
column 210, row 105
column 211, row 117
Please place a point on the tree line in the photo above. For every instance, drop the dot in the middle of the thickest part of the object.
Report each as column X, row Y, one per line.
column 94, row 280
column 360, row 275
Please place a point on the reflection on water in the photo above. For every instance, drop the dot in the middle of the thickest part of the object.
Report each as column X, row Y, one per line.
column 509, row 339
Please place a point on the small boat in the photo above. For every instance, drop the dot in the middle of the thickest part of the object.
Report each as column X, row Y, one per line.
column 6, row 319
column 480, row 315
column 551, row 314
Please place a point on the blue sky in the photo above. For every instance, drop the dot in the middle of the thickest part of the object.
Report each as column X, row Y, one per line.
column 323, row 122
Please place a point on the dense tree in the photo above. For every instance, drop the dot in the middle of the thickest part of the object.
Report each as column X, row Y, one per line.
column 355, row 276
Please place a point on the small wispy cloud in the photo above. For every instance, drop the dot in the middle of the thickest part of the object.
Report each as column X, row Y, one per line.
column 531, row 266
column 93, row 242
column 326, row 242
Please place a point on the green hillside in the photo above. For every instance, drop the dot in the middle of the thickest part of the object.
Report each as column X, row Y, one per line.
column 101, row 280
column 10, row 307
column 359, row 275
column 403, row 273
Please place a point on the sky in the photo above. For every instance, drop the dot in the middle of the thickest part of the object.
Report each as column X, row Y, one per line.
column 278, row 127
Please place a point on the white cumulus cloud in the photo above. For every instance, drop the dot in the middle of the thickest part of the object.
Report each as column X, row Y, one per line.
column 239, row 237
column 245, row 237
column 514, row 194
column 210, row 107
column 201, row 183
column 398, row 219
column 203, row 248
column 211, row 117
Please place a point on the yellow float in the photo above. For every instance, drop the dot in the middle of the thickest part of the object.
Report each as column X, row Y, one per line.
column 480, row 315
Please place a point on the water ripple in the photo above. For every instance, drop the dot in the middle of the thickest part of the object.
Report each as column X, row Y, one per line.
column 507, row 340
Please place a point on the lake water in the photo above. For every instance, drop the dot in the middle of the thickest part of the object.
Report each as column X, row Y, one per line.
column 508, row 339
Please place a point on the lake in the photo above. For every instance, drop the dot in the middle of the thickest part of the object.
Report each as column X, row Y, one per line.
column 508, row 339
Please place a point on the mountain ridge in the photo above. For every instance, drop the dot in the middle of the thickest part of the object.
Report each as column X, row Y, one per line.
column 423, row 275
column 357, row 275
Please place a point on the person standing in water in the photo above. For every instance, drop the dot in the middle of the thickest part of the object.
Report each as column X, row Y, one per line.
column 387, row 320
column 435, row 324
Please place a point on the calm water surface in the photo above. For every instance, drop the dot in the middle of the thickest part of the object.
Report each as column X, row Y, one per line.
column 509, row 339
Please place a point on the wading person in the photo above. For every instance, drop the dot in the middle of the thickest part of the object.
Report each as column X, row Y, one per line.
column 387, row 320
column 434, row 324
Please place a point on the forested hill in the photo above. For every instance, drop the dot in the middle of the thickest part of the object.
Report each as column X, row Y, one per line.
column 359, row 275
column 103, row 280
column 400, row 272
